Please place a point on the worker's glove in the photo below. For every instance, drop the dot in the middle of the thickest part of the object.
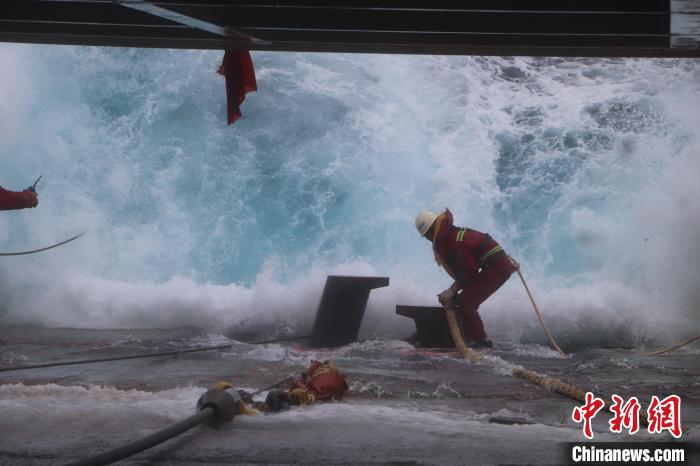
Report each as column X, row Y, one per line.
column 446, row 296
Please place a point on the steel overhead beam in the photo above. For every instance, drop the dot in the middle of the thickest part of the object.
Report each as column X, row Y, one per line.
column 177, row 17
column 155, row 10
column 604, row 28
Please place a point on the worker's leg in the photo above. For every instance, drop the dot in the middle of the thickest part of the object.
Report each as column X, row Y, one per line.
column 484, row 285
column 472, row 325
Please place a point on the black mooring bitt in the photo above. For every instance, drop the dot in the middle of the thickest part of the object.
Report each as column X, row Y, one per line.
column 431, row 325
column 342, row 308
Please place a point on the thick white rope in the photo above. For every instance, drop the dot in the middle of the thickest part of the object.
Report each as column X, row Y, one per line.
column 537, row 311
column 672, row 348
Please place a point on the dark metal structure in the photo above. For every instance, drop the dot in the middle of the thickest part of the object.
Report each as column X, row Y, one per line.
column 342, row 307
column 431, row 325
column 608, row 28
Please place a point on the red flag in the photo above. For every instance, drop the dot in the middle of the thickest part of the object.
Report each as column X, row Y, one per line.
column 237, row 68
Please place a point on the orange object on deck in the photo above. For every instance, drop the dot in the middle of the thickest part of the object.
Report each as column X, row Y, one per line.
column 321, row 380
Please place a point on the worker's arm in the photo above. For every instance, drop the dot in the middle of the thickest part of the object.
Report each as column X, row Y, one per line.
column 11, row 200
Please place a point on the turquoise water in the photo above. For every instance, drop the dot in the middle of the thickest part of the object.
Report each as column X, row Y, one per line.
column 585, row 170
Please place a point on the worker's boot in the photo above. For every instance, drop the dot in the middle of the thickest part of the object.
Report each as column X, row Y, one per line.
column 481, row 344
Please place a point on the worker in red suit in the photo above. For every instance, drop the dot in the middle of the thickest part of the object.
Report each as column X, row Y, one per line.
column 477, row 263
column 12, row 200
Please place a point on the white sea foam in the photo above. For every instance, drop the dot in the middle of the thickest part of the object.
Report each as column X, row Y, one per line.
column 585, row 170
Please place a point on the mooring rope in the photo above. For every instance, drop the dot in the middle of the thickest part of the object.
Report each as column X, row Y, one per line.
column 552, row 384
column 537, row 311
column 672, row 348
column 457, row 335
column 555, row 385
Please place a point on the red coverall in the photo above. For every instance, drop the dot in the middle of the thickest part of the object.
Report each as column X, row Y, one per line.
column 11, row 200
column 462, row 253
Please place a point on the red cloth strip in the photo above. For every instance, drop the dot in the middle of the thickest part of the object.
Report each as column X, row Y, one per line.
column 237, row 68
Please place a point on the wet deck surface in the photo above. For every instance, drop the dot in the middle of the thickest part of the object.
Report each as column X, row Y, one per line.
column 406, row 406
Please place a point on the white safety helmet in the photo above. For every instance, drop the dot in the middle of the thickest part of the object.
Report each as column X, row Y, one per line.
column 424, row 221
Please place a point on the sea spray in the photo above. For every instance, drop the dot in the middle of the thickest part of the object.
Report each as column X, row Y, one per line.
column 582, row 168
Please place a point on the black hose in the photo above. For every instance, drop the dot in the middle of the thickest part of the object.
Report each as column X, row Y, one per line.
column 147, row 442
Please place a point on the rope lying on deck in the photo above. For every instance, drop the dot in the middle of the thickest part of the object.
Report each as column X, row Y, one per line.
column 552, row 384
column 672, row 348
column 536, row 378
